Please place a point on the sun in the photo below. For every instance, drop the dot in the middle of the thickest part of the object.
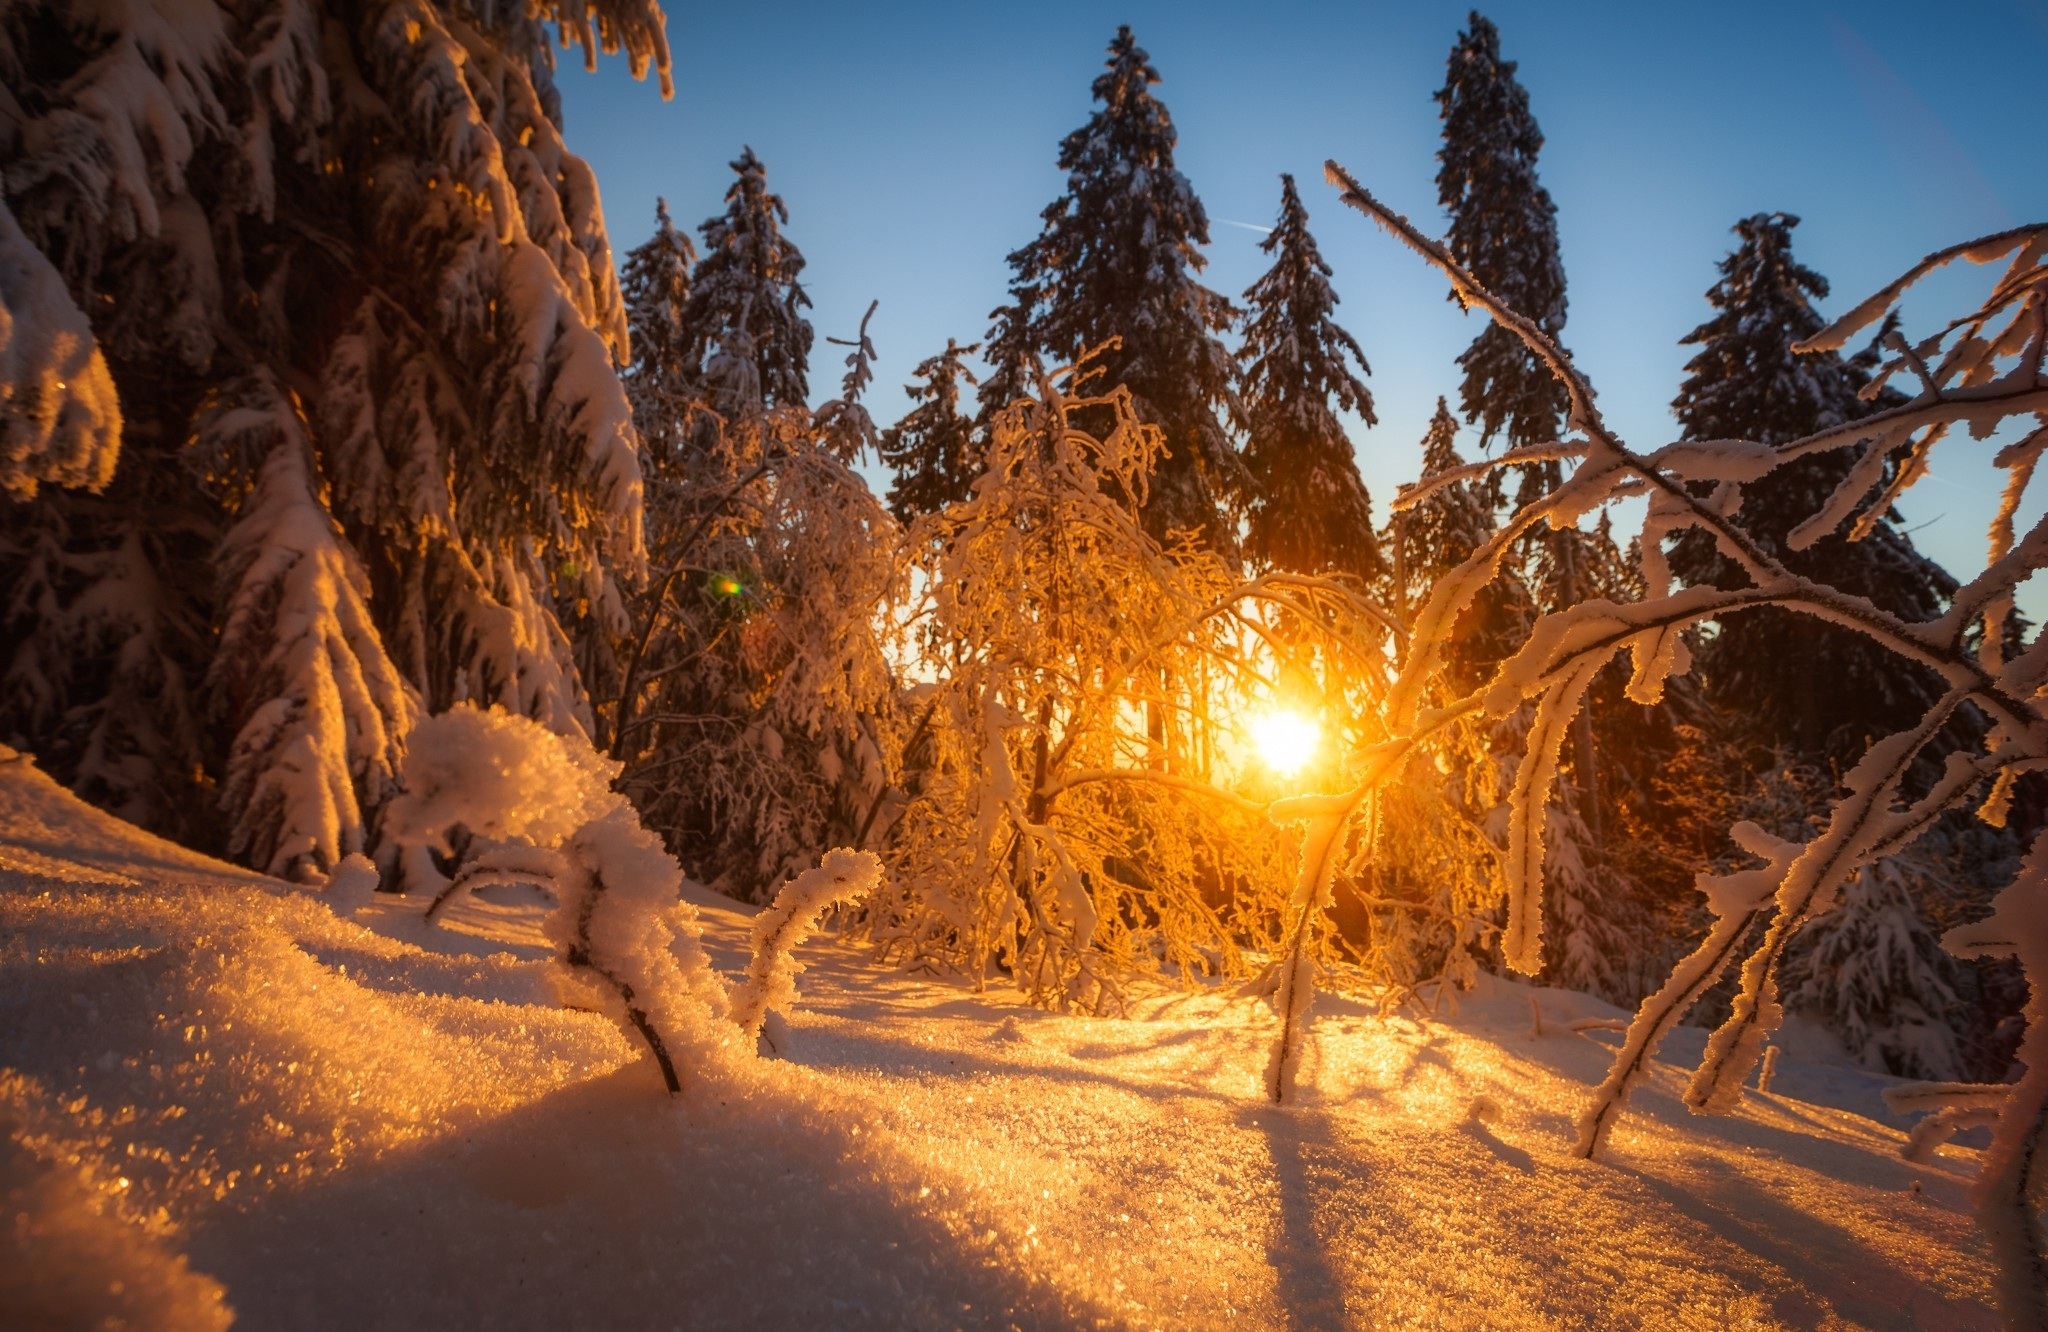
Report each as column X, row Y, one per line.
column 1286, row 740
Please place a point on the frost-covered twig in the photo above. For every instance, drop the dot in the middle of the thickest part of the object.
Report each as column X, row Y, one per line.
column 1950, row 1108
column 1608, row 464
column 842, row 877
column 2010, row 1183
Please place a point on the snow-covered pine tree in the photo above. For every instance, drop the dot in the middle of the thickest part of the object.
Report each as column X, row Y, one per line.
column 405, row 272
column 1504, row 231
column 1308, row 510
column 1876, row 975
column 662, row 381
column 1747, row 382
column 1117, row 258
column 744, row 295
column 323, row 711
column 932, row 449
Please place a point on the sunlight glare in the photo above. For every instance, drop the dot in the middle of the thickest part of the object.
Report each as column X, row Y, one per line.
column 1286, row 741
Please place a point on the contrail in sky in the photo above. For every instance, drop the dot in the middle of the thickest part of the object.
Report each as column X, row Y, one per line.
column 1935, row 166
column 1248, row 226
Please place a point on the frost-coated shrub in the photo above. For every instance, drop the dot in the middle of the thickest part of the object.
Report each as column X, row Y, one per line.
column 1978, row 372
column 539, row 807
column 1075, row 800
column 530, row 806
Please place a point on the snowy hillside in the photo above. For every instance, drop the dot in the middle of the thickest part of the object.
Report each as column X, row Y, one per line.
column 227, row 1097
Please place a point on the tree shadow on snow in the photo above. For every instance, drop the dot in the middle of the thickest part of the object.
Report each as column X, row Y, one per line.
column 607, row 1205
column 1856, row 1280
column 1308, row 1288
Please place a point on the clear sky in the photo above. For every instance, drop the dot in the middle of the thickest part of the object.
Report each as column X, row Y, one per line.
column 915, row 145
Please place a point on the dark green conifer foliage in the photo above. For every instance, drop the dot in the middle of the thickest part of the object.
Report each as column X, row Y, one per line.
column 745, row 296
column 662, row 380
column 1308, row 511
column 932, row 450
column 1504, row 231
column 1117, row 258
column 1827, row 691
column 1441, row 533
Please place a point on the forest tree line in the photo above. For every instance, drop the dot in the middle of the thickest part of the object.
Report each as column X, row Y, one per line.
column 396, row 433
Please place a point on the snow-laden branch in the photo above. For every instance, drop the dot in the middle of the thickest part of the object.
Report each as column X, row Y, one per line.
column 60, row 420
column 1977, row 372
column 843, row 877
column 1607, row 465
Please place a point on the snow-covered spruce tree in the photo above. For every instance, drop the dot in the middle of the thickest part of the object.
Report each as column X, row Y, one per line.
column 1983, row 369
column 323, row 710
column 1503, row 230
column 1117, row 258
column 1308, row 508
column 1748, row 381
column 1874, row 973
column 932, row 450
column 744, row 296
column 404, row 272
column 662, row 382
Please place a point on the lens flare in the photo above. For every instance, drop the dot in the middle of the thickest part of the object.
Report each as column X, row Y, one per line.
column 1286, row 741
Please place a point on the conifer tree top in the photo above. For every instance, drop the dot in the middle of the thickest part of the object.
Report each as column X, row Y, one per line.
column 1440, row 442
column 656, row 282
column 932, row 449
column 1504, row 230
column 1309, row 509
column 1746, row 382
column 1123, row 191
column 1501, row 216
column 1116, row 257
column 747, row 295
column 1294, row 350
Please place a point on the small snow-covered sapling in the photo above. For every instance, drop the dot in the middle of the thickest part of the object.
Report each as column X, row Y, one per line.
column 843, row 877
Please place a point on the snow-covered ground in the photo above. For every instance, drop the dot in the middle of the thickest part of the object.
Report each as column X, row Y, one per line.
column 223, row 1093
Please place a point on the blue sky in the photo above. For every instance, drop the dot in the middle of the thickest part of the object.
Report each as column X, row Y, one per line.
column 915, row 146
